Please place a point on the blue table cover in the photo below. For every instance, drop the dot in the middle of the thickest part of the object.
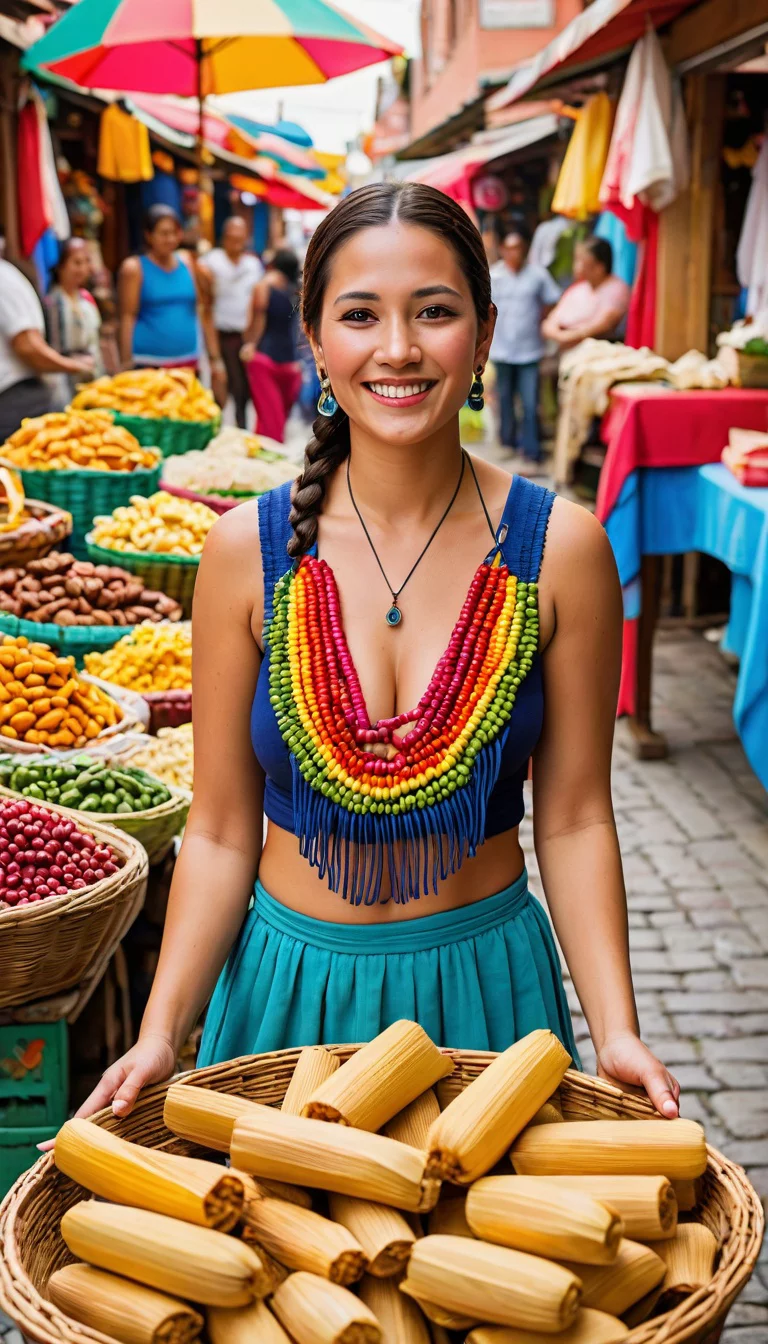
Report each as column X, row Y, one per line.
column 671, row 510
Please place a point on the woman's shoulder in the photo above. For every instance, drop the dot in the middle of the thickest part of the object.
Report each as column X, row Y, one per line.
column 131, row 266
column 577, row 548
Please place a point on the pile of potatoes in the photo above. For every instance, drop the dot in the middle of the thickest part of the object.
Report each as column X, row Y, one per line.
column 67, row 591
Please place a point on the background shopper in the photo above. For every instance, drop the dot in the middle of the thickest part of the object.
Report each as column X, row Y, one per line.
column 270, row 352
column 595, row 304
column 227, row 275
column 72, row 318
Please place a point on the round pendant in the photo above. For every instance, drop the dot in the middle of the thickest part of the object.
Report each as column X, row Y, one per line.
column 394, row 616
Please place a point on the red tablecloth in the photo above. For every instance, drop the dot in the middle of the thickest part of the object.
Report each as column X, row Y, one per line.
column 647, row 425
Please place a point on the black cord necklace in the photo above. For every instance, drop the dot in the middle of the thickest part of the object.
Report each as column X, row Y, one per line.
column 394, row 615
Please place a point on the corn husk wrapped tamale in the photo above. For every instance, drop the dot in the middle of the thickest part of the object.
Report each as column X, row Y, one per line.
column 530, row 1213
column 470, row 1135
column 382, row 1232
column 244, row 1325
column 646, row 1204
column 616, row 1287
column 642, row 1308
column 412, row 1124
column 688, row 1194
column 590, row 1327
column 292, row 1194
column 203, row 1115
column 449, row 1217
column 689, row 1258
column 147, row 1178
column 178, row 1258
column 401, row 1321
column 493, row 1283
column 119, row 1307
column 314, row 1311
column 548, row 1114
column 332, row 1157
column 672, row 1148
column 380, row 1079
column 313, row 1066
column 301, row 1239
column 438, row 1316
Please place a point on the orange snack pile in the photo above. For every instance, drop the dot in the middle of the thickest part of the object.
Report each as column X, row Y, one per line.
column 45, row 702
column 66, row 440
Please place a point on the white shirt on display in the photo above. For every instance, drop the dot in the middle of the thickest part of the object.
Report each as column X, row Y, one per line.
column 20, row 310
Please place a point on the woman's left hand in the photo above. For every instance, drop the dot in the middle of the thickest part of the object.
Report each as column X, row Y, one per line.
column 624, row 1059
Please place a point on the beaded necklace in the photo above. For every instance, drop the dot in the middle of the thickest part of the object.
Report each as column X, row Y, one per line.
column 367, row 792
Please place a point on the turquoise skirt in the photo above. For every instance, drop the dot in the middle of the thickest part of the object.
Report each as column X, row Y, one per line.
column 477, row 978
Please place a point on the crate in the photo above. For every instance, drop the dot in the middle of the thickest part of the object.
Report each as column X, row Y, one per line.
column 34, row 1074
column 18, row 1152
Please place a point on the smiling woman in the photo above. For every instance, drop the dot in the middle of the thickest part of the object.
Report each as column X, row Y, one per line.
column 380, row 650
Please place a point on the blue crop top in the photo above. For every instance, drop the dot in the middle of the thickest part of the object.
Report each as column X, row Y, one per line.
column 520, row 541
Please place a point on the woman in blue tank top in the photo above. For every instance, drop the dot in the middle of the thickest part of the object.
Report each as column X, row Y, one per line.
column 160, row 307
column 379, row 652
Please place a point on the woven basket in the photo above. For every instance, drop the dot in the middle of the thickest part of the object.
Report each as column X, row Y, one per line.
column 135, row 714
column 31, row 1247
column 168, row 709
column 87, row 494
column 66, row 639
column 170, row 436
column 50, row 946
column 174, row 575
column 31, row 542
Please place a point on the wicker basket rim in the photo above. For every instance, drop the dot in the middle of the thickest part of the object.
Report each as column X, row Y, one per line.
column 164, row 419
column 90, row 473
column 21, row 1300
column 179, row 798
column 148, row 556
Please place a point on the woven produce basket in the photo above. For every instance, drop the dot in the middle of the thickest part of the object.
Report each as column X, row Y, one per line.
column 168, row 709
column 30, row 542
column 170, row 436
column 50, row 946
column 174, row 575
column 135, row 715
column 31, row 1247
column 66, row 639
column 85, row 494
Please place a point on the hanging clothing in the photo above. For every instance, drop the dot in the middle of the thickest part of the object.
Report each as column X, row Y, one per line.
column 55, row 205
column 641, row 319
column 578, row 186
column 613, row 230
column 163, row 189
column 33, row 216
column 752, row 253
column 166, row 323
column 124, row 154
column 544, row 241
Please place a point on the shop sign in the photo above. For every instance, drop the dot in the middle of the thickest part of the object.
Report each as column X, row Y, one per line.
column 517, row 13
column 489, row 193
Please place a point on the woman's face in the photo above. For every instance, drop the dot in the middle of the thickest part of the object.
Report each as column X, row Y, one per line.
column 165, row 238
column 76, row 270
column 398, row 334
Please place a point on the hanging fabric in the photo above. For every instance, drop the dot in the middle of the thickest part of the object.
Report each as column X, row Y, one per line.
column 752, row 253
column 55, row 206
column 578, row 185
column 33, row 218
column 641, row 318
column 124, row 154
column 614, row 231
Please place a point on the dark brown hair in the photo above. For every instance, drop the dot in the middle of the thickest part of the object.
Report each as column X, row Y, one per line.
column 366, row 208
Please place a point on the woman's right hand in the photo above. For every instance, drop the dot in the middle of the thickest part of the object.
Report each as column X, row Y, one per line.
column 151, row 1060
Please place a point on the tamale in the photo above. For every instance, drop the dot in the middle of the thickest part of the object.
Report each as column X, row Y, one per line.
column 547, row 1115
column 616, row 1287
column 687, row 1194
column 382, row 1232
column 401, row 1321
column 115, row 1306
column 646, row 1204
column 203, row 1115
column 313, row 1066
column 442, row 1317
column 412, row 1124
column 174, row 1257
column 530, row 1213
column 314, row 1311
column 642, row 1308
column 672, row 1148
column 125, row 1173
column 380, row 1079
column 689, row 1258
column 590, row 1327
column 494, row 1283
column 293, row 1194
column 254, row 1324
column 470, row 1135
column 449, row 1217
column 332, row 1157
column 301, row 1239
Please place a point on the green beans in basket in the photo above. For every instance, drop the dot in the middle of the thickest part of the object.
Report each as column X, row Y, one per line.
column 84, row 783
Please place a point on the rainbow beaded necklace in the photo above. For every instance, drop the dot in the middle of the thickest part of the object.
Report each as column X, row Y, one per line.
column 368, row 793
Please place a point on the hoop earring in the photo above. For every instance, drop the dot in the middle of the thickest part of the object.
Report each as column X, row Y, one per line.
column 327, row 404
column 476, row 400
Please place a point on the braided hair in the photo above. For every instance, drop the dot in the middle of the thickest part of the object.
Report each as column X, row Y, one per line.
column 369, row 207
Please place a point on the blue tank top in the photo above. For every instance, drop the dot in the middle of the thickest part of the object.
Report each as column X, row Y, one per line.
column 520, row 540
column 166, row 323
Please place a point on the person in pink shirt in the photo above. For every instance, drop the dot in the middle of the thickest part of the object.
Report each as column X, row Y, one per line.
column 595, row 304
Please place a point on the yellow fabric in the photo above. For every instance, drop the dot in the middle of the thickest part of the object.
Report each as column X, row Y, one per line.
column 124, row 154
column 578, row 186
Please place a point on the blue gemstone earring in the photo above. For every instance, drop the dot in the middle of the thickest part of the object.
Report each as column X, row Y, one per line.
column 327, row 404
column 475, row 400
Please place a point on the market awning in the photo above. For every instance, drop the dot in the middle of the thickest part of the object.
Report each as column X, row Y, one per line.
column 605, row 29
column 453, row 172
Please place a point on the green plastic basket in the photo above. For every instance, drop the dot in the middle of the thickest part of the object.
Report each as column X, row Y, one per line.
column 174, row 575
column 170, row 436
column 66, row 639
column 87, row 494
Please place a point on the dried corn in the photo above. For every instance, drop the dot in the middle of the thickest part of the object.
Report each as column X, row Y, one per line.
column 204, row 1116
column 301, row 1239
column 154, row 656
column 163, row 1253
column 315, row 1311
column 382, row 1232
column 380, row 1078
column 616, row 1287
column 159, row 524
column 471, row 1134
column 313, row 1066
column 590, row 1327
column 672, row 1148
column 646, row 1204
column 254, row 1324
column 127, row 1311
column 400, row 1319
column 412, row 1124
column 532, row 1214
column 689, row 1258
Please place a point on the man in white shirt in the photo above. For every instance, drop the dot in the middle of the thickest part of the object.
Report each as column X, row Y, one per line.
column 228, row 274
column 25, row 354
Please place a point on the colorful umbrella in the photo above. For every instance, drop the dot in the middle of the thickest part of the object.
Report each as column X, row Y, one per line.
column 201, row 47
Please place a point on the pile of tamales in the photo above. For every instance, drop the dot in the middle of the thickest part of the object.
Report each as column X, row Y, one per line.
column 383, row 1204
